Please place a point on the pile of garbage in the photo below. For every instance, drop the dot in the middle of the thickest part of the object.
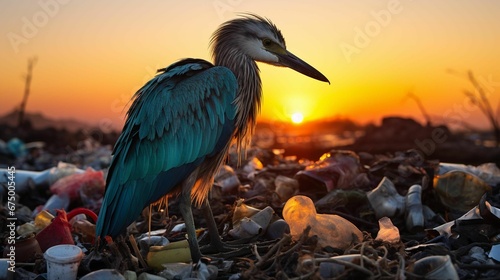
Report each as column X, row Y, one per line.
column 345, row 215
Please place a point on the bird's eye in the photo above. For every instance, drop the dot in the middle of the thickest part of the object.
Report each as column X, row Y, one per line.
column 266, row 42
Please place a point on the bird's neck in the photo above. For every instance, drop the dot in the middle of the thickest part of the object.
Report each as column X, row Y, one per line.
column 249, row 94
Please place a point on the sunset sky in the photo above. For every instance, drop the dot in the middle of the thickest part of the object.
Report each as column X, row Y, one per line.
column 93, row 55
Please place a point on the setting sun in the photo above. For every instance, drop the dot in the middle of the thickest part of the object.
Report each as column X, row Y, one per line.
column 369, row 52
column 297, row 117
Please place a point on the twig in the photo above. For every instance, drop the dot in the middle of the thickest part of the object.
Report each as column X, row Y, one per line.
column 362, row 252
column 484, row 105
column 420, row 106
column 401, row 267
column 386, row 252
column 29, row 75
column 256, row 253
column 136, row 250
column 271, row 251
column 302, row 239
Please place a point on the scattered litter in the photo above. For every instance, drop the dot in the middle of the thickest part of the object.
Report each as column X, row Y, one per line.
column 460, row 190
column 387, row 231
column 345, row 215
column 435, row 267
column 332, row 230
column 173, row 252
column 385, row 200
column 414, row 209
column 253, row 225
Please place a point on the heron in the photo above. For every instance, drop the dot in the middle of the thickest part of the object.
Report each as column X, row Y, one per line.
column 182, row 122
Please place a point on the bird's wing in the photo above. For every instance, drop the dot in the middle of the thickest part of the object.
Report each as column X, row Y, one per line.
column 176, row 120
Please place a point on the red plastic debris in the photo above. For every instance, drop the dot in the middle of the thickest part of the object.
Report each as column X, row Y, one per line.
column 73, row 183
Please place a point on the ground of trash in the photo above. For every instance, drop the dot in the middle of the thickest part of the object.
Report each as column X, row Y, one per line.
column 345, row 215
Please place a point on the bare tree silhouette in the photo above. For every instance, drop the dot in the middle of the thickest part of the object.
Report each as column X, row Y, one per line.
column 480, row 99
column 411, row 95
column 31, row 63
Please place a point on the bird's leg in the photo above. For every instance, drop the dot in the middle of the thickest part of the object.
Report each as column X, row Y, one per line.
column 226, row 250
column 187, row 214
column 213, row 231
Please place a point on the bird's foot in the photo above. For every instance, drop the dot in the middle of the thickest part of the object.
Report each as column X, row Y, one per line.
column 229, row 249
column 109, row 253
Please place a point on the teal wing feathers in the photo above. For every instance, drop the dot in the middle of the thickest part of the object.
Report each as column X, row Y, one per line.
column 176, row 120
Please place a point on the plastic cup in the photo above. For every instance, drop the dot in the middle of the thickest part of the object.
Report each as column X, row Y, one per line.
column 436, row 267
column 63, row 262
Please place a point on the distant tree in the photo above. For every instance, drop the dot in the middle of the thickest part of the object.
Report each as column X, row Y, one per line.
column 421, row 107
column 480, row 99
column 27, row 84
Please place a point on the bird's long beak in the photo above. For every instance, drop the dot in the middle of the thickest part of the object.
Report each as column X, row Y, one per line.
column 288, row 59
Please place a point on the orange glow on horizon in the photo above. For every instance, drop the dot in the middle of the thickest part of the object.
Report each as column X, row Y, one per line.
column 89, row 69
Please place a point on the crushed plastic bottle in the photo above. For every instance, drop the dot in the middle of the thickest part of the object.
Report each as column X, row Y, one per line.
column 459, row 190
column 385, row 200
column 254, row 225
column 488, row 172
column 55, row 202
column 243, row 210
column 253, row 165
column 414, row 211
column 332, row 230
column 387, row 232
column 227, row 179
column 286, row 187
column 337, row 169
column 39, row 178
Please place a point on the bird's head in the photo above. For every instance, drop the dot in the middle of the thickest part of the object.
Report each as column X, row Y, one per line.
column 259, row 39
